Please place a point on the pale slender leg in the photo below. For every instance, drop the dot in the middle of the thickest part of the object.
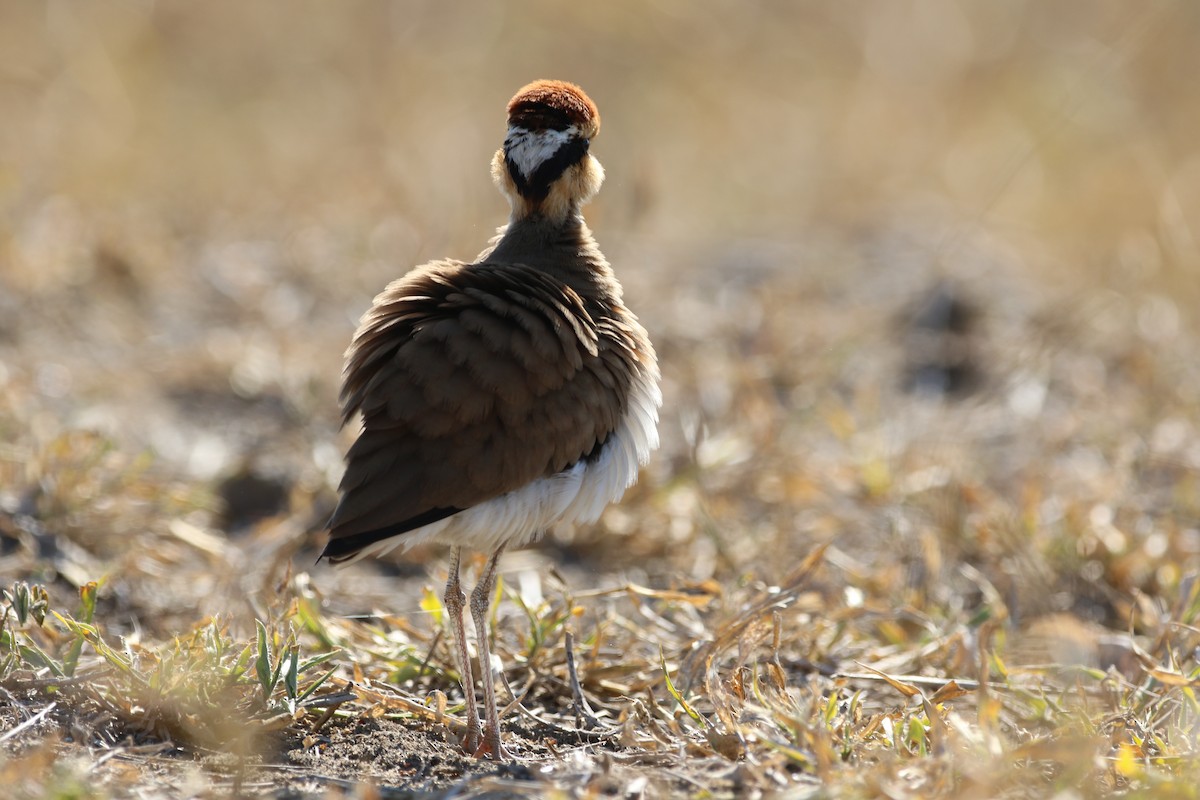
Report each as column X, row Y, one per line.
column 481, row 601
column 455, row 602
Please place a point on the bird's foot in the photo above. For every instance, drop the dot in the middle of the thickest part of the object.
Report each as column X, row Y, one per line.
column 471, row 742
column 492, row 747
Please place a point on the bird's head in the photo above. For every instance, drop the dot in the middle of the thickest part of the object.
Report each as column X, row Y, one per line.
column 544, row 167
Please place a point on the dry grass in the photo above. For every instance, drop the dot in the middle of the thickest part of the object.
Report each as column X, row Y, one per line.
column 923, row 279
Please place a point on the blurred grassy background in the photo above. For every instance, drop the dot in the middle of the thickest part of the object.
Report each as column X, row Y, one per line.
column 1067, row 122
column 198, row 200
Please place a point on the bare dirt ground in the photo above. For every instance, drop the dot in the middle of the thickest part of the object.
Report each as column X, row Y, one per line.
column 922, row 278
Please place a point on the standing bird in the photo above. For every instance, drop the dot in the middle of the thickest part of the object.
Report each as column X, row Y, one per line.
column 501, row 396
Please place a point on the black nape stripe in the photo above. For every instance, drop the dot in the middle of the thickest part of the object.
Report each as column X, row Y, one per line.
column 537, row 185
column 540, row 117
column 346, row 547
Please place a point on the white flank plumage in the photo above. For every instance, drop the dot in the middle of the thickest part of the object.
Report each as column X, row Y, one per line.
column 629, row 447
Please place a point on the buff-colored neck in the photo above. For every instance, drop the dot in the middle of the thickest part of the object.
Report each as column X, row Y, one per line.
column 575, row 187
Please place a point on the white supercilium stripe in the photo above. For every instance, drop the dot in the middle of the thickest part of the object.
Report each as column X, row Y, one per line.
column 530, row 149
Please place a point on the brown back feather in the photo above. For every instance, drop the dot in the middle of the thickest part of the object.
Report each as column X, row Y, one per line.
column 476, row 379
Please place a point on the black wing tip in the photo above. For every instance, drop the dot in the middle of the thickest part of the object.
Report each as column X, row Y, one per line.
column 343, row 548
